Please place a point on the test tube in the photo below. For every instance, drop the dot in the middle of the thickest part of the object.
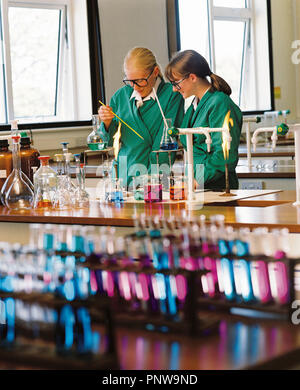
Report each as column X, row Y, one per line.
column 65, row 329
column 258, row 268
column 279, row 281
column 241, row 267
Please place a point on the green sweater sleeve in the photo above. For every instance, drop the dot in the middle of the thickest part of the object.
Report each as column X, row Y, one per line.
column 214, row 162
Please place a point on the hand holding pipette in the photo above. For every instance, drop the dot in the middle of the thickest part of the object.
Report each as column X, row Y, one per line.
column 111, row 112
column 106, row 115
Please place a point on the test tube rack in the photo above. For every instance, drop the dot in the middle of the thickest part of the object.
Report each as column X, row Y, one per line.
column 187, row 320
column 281, row 310
column 42, row 352
column 219, row 300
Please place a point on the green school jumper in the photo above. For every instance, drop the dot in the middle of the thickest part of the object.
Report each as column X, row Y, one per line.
column 135, row 155
column 211, row 112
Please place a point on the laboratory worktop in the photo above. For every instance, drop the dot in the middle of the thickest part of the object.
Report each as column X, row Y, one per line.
column 266, row 151
column 259, row 169
column 266, row 169
column 239, row 343
column 272, row 209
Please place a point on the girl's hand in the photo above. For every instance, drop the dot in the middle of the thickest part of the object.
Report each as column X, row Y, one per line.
column 106, row 115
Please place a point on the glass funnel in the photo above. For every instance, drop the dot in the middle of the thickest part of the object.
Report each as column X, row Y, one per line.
column 17, row 193
column 81, row 198
column 45, row 183
column 168, row 142
column 94, row 140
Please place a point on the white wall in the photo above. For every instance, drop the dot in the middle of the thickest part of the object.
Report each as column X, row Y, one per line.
column 125, row 24
column 284, row 31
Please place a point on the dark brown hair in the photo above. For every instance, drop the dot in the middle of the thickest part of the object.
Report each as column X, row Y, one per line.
column 189, row 61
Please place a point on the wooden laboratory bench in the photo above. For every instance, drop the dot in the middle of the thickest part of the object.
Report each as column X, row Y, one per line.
column 236, row 343
column 239, row 343
column 271, row 210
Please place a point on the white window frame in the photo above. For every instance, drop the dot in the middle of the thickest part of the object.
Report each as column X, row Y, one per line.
column 251, row 60
column 67, row 20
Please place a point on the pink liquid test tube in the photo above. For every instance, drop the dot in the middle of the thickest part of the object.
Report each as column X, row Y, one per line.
column 277, row 269
column 259, row 269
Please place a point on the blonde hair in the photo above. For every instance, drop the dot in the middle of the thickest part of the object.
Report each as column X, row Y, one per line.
column 143, row 58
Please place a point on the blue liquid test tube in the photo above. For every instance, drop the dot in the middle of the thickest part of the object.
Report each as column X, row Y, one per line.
column 84, row 335
column 160, row 260
column 243, row 275
column 65, row 329
column 7, row 329
column 225, row 249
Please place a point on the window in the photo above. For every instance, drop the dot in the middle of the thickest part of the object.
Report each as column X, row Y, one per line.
column 45, row 77
column 233, row 35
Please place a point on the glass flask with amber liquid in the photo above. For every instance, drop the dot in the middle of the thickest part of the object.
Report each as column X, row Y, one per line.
column 5, row 162
column 29, row 157
column 45, row 184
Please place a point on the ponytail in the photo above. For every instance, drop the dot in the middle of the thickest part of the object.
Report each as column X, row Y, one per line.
column 190, row 61
column 220, row 84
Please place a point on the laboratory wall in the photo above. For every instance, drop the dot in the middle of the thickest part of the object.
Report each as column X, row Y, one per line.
column 125, row 24
column 285, row 31
column 129, row 23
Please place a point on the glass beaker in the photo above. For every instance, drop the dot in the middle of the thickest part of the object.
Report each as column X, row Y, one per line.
column 178, row 187
column 153, row 189
column 94, row 140
column 168, row 142
column 114, row 190
column 18, row 194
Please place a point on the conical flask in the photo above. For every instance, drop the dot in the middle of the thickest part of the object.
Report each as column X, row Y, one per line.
column 94, row 140
column 42, row 195
column 18, row 194
column 45, row 176
column 167, row 141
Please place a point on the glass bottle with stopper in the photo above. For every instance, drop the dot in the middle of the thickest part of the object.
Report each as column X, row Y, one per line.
column 168, row 142
column 29, row 157
column 17, row 193
column 5, row 161
column 94, row 140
